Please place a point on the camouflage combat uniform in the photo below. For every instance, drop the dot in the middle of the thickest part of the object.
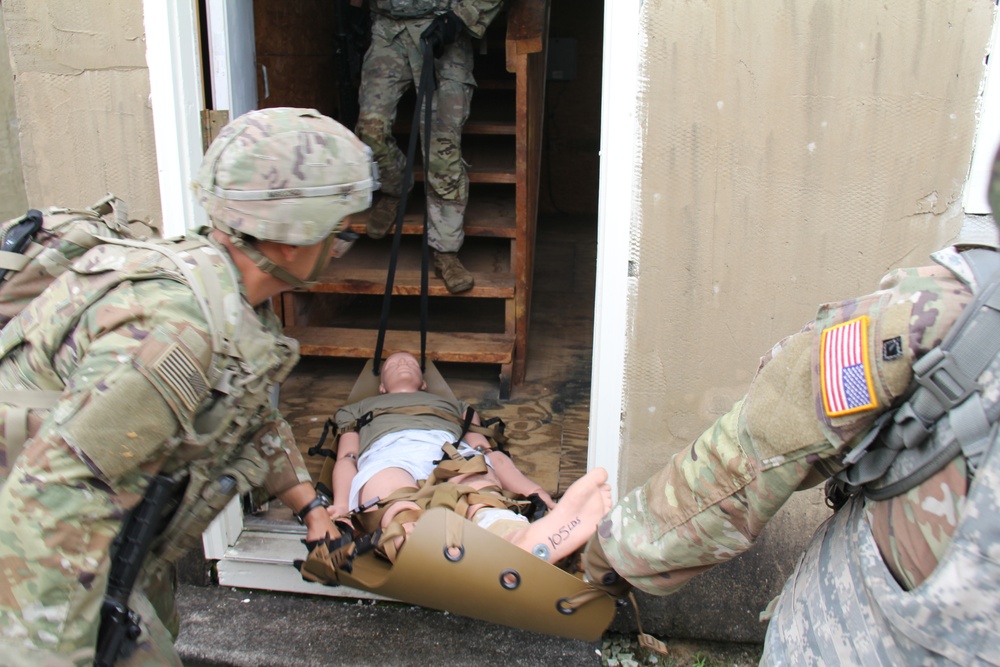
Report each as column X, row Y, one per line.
column 869, row 589
column 136, row 365
column 160, row 365
column 392, row 66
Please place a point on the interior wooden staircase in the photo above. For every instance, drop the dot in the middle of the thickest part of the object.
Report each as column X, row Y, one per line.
column 502, row 144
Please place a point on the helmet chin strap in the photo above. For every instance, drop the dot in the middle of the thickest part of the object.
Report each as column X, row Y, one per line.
column 281, row 273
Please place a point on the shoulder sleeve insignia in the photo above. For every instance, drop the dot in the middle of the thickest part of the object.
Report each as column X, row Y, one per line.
column 180, row 371
column 845, row 369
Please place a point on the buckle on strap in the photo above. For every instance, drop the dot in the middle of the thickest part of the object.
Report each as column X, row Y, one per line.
column 939, row 373
column 364, row 420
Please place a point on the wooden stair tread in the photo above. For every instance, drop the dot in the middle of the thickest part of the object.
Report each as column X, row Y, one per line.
column 407, row 283
column 363, row 270
column 459, row 347
column 489, row 214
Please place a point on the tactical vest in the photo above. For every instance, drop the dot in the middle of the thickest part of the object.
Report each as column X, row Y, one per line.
column 409, row 9
column 248, row 360
column 843, row 605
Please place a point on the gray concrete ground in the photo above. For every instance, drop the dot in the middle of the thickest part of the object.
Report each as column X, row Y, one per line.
column 226, row 627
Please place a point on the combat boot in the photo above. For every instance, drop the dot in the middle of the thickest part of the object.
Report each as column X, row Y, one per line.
column 381, row 216
column 456, row 277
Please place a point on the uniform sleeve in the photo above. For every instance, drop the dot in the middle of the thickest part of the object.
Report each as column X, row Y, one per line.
column 346, row 415
column 111, row 427
column 477, row 14
column 285, row 466
column 713, row 499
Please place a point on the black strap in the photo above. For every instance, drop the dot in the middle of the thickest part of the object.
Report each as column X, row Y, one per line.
column 317, row 449
column 469, row 414
column 425, row 99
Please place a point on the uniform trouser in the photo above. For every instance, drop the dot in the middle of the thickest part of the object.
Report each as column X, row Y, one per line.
column 390, row 69
column 55, row 539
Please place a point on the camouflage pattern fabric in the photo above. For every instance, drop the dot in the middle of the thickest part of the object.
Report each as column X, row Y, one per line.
column 134, row 361
column 65, row 235
column 238, row 184
column 842, row 606
column 404, row 9
column 714, row 498
column 391, row 66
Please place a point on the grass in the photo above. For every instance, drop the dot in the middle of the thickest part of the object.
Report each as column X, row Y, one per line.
column 620, row 650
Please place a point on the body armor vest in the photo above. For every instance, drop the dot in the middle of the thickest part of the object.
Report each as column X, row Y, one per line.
column 409, row 9
column 248, row 359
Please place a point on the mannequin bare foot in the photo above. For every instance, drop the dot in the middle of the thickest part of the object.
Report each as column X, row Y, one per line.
column 574, row 519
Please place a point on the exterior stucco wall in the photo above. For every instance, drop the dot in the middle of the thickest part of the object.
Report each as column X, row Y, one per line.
column 81, row 97
column 13, row 200
column 792, row 153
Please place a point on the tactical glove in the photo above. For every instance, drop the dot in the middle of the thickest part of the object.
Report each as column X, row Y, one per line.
column 327, row 557
column 600, row 574
column 442, row 32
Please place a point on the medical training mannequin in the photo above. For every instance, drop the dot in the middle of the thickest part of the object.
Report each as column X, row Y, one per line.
column 403, row 450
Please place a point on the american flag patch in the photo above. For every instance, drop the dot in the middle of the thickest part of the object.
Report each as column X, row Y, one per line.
column 845, row 370
column 182, row 374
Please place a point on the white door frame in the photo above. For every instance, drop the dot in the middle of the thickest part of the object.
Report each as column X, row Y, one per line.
column 233, row 56
column 617, row 211
column 173, row 56
column 987, row 134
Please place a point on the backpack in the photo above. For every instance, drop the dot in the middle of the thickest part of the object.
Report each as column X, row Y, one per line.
column 40, row 245
column 950, row 410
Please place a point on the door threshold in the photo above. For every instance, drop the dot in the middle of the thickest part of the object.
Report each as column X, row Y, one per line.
column 263, row 560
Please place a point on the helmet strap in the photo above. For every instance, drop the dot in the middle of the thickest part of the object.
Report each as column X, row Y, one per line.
column 281, row 273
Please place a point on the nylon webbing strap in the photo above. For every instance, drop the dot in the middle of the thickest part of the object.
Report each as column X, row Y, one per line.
column 424, row 101
column 948, row 375
column 948, row 392
column 13, row 261
column 16, row 419
column 428, row 83
column 496, row 434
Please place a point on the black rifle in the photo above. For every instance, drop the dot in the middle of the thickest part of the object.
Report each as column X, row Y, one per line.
column 20, row 235
column 119, row 624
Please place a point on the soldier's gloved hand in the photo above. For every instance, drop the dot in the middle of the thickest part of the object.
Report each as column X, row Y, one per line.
column 327, row 557
column 599, row 573
column 442, row 32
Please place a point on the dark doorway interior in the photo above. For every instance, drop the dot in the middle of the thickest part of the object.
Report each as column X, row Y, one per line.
column 301, row 60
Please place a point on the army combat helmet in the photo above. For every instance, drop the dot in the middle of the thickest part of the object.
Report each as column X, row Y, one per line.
column 286, row 175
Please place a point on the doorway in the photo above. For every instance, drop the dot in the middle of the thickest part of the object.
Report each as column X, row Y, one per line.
column 299, row 59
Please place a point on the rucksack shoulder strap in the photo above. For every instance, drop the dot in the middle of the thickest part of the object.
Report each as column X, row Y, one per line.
column 908, row 444
column 204, row 269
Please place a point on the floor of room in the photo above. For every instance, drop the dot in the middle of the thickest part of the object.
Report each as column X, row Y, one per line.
column 547, row 416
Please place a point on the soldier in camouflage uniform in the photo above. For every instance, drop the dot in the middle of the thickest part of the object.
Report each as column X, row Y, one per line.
column 391, row 66
column 162, row 358
column 913, row 579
